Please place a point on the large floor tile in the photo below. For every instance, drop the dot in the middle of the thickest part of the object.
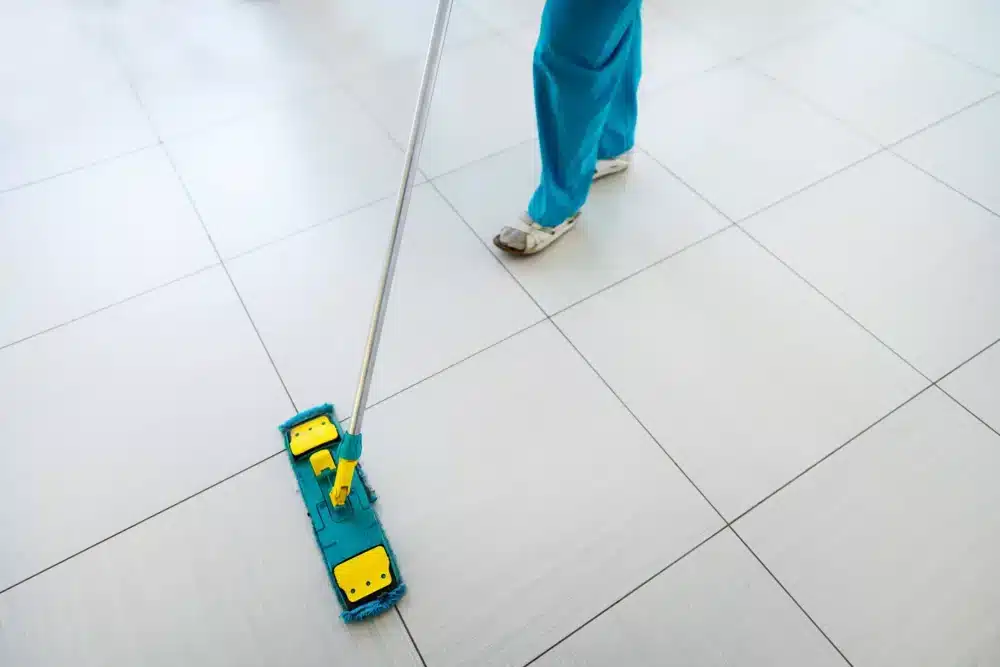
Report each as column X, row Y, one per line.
column 977, row 386
column 892, row 543
column 522, row 499
column 913, row 261
column 482, row 103
column 82, row 241
column 743, row 373
column 878, row 80
column 231, row 577
column 715, row 608
column 311, row 298
column 742, row 141
column 629, row 222
column 270, row 174
column 154, row 400
column 964, row 152
column 194, row 63
column 742, row 26
column 66, row 103
column 966, row 28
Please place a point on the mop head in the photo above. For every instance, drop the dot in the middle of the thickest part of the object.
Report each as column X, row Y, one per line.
column 359, row 560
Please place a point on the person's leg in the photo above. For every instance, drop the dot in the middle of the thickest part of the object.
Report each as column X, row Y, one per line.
column 618, row 137
column 583, row 52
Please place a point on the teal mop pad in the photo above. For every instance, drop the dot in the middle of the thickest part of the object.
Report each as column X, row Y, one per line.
column 359, row 561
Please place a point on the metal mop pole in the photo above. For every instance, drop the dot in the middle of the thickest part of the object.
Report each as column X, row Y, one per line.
column 402, row 206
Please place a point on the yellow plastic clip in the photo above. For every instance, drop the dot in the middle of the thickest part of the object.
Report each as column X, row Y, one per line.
column 342, row 482
column 312, row 434
column 320, row 461
column 366, row 573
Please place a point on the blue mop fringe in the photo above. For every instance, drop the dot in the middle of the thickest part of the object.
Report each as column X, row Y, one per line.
column 305, row 415
column 377, row 606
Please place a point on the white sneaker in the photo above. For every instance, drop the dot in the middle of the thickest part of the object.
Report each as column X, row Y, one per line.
column 612, row 166
column 527, row 237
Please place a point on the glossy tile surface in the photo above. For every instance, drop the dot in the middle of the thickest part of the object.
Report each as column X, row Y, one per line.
column 195, row 199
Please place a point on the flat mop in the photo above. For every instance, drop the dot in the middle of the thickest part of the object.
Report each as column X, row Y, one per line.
column 359, row 560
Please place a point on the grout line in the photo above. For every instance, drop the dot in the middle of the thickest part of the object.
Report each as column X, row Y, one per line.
column 834, row 303
column 964, row 407
column 945, row 183
column 638, row 421
column 266, row 458
column 137, row 295
column 860, row 132
column 831, row 453
column 781, row 200
column 893, row 144
column 637, row 272
column 739, row 225
column 484, row 158
column 409, row 634
column 232, row 283
column 211, row 241
column 967, row 361
column 548, row 318
column 489, row 251
column 790, row 195
column 627, row 595
column 790, row 596
column 82, row 167
column 140, row 522
column 457, row 363
column 310, row 227
column 888, row 23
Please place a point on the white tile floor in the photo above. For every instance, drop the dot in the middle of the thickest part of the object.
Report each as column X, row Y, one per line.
column 748, row 413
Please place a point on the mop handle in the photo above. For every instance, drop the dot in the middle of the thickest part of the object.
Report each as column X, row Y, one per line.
column 402, row 206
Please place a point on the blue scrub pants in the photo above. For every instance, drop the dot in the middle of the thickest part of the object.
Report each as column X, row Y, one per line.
column 586, row 70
